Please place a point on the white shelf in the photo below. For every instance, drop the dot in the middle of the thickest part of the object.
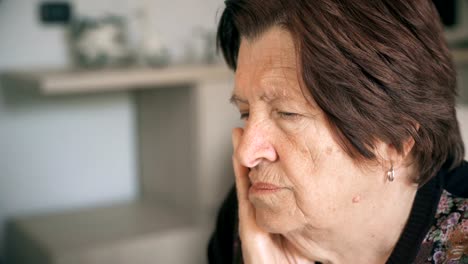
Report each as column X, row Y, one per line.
column 86, row 81
column 72, row 81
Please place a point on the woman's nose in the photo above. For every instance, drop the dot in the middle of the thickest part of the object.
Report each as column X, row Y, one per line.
column 255, row 146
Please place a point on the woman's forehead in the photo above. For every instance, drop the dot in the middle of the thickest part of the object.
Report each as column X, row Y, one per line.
column 268, row 84
column 268, row 62
column 272, row 49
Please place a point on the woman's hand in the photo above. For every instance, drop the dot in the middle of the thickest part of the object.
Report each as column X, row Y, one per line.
column 258, row 246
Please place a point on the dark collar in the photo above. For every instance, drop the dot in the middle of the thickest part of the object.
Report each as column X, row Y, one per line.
column 420, row 219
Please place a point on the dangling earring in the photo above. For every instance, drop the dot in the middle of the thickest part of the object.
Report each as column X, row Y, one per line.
column 391, row 174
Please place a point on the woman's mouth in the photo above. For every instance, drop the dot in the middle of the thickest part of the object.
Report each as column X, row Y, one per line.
column 263, row 188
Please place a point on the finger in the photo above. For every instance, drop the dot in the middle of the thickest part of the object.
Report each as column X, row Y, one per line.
column 246, row 210
column 241, row 172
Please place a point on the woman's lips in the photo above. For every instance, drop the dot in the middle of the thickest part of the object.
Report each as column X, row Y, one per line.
column 263, row 188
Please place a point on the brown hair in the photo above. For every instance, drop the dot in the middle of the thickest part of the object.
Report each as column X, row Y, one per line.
column 378, row 69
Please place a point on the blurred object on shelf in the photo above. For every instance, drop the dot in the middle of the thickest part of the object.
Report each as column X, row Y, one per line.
column 209, row 55
column 150, row 50
column 102, row 42
column 200, row 48
column 134, row 37
column 153, row 53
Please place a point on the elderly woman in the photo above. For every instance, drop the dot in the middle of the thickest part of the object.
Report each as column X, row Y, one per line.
column 350, row 150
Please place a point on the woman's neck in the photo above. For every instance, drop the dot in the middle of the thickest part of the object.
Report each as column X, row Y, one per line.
column 369, row 233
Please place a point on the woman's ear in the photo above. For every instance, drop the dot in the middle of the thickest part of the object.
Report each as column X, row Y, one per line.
column 389, row 156
column 408, row 147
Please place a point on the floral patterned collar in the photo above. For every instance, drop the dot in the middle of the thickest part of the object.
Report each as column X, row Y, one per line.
column 437, row 229
column 447, row 239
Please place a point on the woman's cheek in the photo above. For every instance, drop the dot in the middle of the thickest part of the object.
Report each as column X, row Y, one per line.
column 300, row 155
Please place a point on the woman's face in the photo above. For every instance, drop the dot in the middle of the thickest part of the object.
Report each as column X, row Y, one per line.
column 300, row 176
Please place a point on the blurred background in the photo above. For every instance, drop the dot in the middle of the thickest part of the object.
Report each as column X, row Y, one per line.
column 115, row 128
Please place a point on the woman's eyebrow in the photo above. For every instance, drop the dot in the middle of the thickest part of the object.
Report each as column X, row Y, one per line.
column 268, row 97
column 235, row 99
column 278, row 94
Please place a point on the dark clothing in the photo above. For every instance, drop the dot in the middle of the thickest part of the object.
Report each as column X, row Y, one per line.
column 436, row 230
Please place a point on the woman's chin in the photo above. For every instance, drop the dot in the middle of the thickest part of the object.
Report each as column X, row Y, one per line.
column 275, row 222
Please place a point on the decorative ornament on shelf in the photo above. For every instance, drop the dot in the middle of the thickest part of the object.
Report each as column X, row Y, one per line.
column 97, row 43
column 150, row 50
column 153, row 53
column 200, row 47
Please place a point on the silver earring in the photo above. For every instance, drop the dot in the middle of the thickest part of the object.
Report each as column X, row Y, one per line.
column 391, row 174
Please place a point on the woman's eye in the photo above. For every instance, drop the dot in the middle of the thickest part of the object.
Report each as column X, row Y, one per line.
column 244, row 116
column 288, row 115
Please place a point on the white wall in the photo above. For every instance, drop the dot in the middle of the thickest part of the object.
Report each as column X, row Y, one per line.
column 62, row 152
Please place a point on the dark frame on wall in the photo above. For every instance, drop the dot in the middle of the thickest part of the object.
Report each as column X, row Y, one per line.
column 447, row 11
